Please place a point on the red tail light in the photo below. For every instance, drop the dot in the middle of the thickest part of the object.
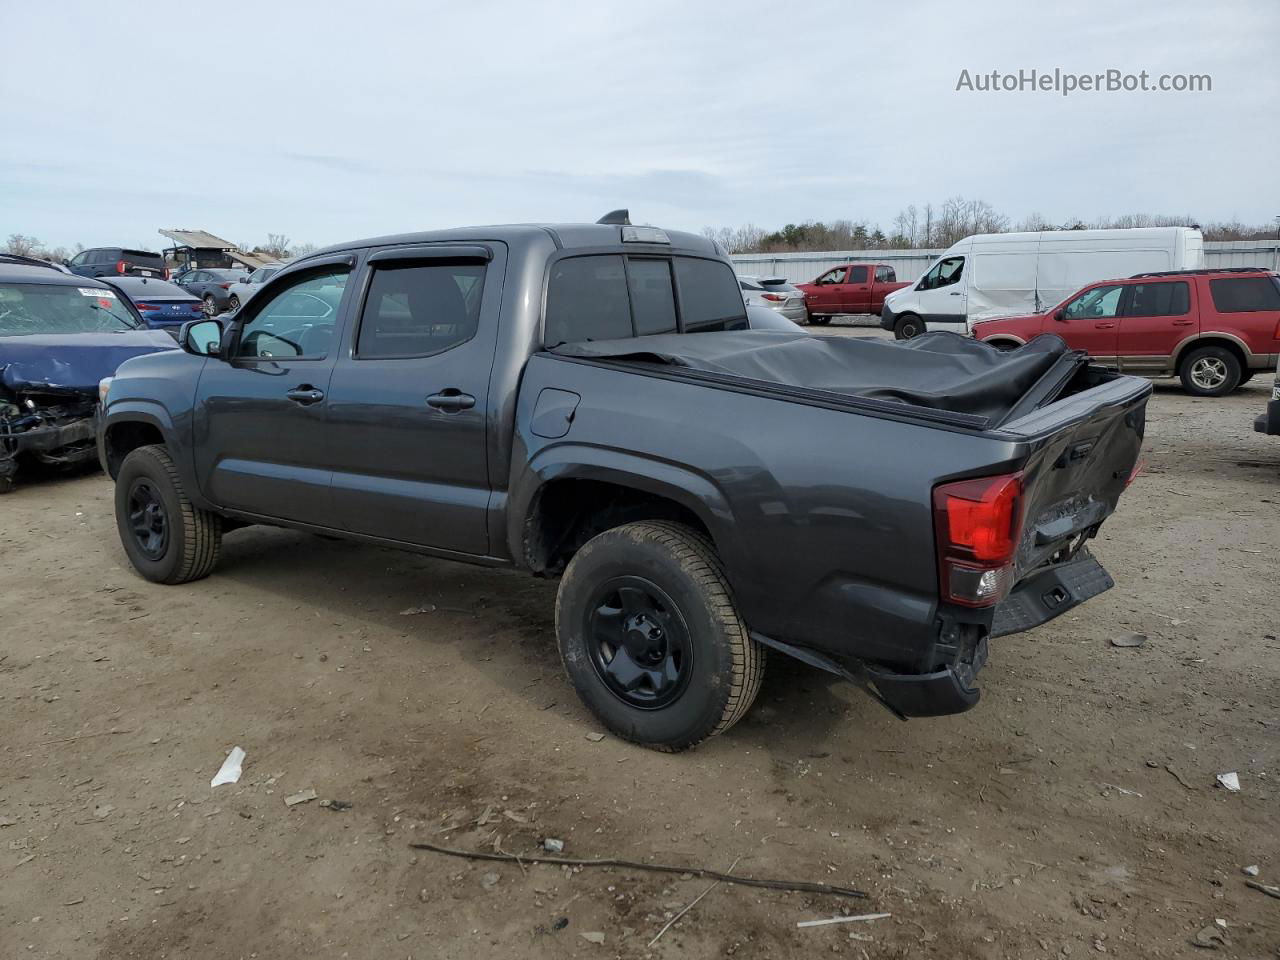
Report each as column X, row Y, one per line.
column 977, row 524
column 122, row 266
column 225, row 286
column 166, row 273
column 146, row 306
column 774, row 297
column 1276, row 335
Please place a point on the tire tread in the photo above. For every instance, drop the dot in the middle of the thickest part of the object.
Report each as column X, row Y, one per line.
column 695, row 553
column 201, row 529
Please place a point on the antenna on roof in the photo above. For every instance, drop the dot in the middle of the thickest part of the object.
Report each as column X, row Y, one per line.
column 620, row 217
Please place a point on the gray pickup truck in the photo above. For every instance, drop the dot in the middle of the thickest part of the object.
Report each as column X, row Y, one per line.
column 582, row 401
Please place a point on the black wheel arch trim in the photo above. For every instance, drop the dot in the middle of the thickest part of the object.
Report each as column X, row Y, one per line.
column 697, row 494
column 140, row 411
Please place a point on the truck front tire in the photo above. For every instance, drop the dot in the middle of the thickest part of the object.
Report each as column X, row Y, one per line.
column 651, row 639
column 166, row 537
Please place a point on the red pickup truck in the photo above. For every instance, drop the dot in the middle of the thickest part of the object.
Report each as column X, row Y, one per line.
column 849, row 288
column 1213, row 329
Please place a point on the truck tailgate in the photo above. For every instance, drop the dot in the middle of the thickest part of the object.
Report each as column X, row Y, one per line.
column 1084, row 451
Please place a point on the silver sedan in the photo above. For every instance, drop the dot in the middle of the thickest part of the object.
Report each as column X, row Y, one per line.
column 776, row 294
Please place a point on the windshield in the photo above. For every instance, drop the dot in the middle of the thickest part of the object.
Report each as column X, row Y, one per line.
column 43, row 308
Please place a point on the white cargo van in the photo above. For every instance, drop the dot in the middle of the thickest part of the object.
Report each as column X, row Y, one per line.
column 1009, row 274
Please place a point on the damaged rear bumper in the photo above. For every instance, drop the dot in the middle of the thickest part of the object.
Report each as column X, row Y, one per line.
column 1035, row 601
column 952, row 688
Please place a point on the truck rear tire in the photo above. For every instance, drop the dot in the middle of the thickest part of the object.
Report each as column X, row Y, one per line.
column 166, row 537
column 651, row 638
column 821, row 321
column 908, row 326
column 1209, row 371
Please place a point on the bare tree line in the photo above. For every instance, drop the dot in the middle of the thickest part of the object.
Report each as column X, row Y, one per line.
column 937, row 227
column 277, row 245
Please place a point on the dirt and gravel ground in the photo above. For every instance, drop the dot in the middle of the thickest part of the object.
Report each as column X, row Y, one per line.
column 1073, row 812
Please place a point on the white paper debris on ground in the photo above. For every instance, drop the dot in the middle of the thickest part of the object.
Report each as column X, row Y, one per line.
column 229, row 772
column 301, row 797
column 860, row 917
column 1230, row 780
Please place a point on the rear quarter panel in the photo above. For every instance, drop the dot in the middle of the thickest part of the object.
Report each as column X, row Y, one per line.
column 822, row 516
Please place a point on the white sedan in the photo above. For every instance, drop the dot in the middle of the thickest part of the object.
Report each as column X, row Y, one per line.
column 242, row 290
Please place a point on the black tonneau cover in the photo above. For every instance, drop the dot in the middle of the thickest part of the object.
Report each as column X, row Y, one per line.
column 940, row 371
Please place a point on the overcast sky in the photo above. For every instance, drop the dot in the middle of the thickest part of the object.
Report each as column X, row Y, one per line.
column 328, row 121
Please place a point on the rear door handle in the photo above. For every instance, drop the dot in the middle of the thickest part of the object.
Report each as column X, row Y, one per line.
column 1104, row 326
column 305, row 395
column 954, row 293
column 451, row 400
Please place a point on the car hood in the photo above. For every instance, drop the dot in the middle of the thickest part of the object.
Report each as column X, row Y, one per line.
column 73, row 362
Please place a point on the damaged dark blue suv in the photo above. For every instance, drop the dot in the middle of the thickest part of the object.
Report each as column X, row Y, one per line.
column 59, row 336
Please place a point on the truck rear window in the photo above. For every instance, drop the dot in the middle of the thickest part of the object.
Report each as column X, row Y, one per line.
column 710, row 298
column 1245, row 294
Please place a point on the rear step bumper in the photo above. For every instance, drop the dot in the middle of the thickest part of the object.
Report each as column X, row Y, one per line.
column 1033, row 602
column 1051, row 594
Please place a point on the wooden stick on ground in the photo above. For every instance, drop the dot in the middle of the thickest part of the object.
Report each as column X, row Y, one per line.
column 798, row 886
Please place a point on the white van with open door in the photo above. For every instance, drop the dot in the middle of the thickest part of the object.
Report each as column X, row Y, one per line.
column 1009, row 274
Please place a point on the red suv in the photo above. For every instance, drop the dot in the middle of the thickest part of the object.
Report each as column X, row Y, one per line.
column 1212, row 328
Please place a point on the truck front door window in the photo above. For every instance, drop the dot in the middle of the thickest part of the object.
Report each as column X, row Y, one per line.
column 297, row 322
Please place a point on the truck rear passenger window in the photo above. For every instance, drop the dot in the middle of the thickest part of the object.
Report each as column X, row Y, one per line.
column 710, row 298
column 587, row 300
column 418, row 309
column 653, row 302
column 1245, row 294
column 1160, row 300
column 886, row 275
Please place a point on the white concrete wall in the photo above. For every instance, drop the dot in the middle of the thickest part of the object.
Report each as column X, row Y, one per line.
column 910, row 264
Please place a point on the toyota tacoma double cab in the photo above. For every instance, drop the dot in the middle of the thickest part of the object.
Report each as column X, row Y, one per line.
column 584, row 402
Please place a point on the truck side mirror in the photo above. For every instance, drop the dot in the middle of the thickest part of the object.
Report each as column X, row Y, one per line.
column 203, row 338
column 1060, row 316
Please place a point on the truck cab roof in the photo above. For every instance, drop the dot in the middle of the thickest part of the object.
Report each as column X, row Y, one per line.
column 563, row 235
